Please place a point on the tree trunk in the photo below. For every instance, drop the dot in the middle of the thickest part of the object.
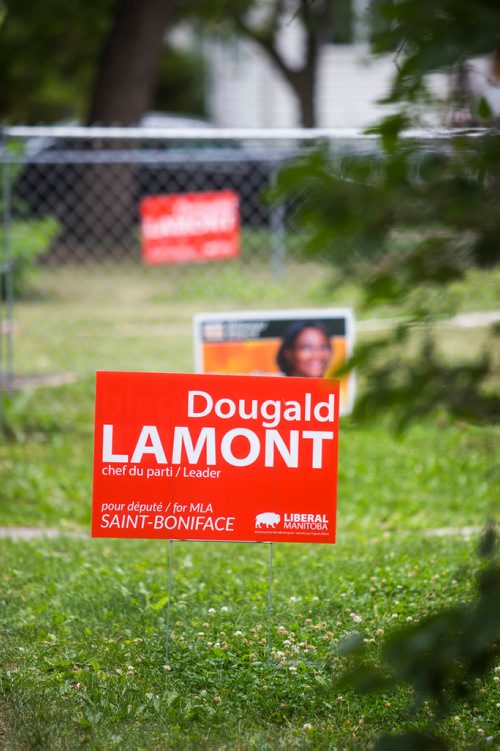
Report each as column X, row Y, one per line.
column 103, row 210
column 303, row 83
column 126, row 74
column 302, row 80
column 307, row 110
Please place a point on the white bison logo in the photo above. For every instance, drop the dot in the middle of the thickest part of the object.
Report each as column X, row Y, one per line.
column 268, row 518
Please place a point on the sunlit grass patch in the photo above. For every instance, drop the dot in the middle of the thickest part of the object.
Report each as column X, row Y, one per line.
column 84, row 647
column 82, row 654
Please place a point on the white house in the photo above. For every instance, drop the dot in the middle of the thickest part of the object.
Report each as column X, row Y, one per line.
column 245, row 90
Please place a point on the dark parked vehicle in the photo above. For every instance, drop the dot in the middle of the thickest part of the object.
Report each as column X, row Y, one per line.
column 94, row 186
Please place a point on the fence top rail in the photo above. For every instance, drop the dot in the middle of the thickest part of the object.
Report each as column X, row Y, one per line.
column 211, row 133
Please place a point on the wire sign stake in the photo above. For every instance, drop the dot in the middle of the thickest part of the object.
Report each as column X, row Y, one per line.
column 169, row 594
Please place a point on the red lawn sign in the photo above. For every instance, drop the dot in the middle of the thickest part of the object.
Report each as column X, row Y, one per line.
column 209, row 457
column 190, row 227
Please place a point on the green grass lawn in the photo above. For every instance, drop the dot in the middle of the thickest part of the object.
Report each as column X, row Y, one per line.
column 83, row 650
column 124, row 317
column 83, row 621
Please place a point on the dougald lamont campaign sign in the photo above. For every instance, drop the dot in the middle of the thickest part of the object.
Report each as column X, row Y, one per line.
column 190, row 227
column 214, row 457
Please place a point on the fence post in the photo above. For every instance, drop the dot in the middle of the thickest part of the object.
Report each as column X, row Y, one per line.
column 6, row 289
column 277, row 225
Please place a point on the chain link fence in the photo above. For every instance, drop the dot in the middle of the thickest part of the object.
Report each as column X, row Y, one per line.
column 76, row 293
column 80, row 189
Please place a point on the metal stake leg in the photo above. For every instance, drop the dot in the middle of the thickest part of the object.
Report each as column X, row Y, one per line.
column 167, row 639
column 270, row 600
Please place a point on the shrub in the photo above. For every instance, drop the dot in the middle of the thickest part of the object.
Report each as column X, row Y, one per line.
column 29, row 239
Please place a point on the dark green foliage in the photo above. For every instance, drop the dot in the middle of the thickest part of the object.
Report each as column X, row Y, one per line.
column 434, row 36
column 407, row 222
column 409, row 216
column 180, row 82
column 442, row 657
column 28, row 241
column 407, row 199
column 21, row 242
column 49, row 53
column 412, row 389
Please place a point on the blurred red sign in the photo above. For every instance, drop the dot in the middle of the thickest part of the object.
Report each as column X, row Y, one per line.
column 190, row 227
column 213, row 457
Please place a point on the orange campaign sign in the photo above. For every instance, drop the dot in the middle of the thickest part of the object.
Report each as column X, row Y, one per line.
column 297, row 342
column 213, row 457
column 190, row 227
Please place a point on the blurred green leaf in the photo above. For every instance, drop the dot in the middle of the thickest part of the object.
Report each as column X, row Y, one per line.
column 441, row 656
column 161, row 603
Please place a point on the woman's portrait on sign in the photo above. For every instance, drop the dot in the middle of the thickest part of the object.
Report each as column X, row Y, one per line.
column 306, row 350
column 308, row 343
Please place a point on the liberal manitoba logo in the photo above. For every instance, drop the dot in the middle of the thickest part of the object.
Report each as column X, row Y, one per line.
column 309, row 522
column 268, row 519
column 305, row 521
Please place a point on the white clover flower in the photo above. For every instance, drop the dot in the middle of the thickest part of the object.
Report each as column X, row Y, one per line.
column 292, row 669
column 211, row 611
column 294, row 599
column 238, row 633
column 224, row 609
column 307, row 726
column 356, row 618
